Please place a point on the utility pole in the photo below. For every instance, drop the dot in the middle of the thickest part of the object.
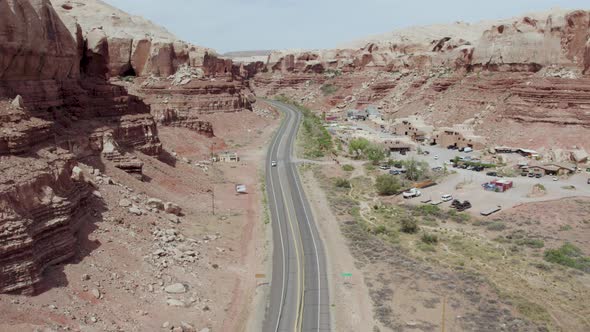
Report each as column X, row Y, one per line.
column 444, row 312
column 213, row 199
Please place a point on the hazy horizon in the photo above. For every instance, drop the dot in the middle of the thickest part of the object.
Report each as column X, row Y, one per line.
column 234, row 25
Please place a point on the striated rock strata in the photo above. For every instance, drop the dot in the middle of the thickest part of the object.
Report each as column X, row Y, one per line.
column 55, row 106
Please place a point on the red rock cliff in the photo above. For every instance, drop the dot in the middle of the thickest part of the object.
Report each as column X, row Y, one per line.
column 52, row 110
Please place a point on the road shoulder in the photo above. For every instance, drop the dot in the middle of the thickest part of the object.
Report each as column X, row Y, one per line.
column 351, row 307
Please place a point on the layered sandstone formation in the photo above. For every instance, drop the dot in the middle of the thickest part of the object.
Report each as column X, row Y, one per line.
column 55, row 107
column 41, row 199
column 494, row 75
column 180, row 81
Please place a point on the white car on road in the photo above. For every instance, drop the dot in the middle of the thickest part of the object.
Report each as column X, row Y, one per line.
column 446, row 198
column 273, row 163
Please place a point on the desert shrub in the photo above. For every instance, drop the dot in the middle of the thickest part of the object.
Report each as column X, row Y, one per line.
column 387, row 185
column 329, row 89
column 348, row 168
column 540, row 187
column 429, row 238
column 460, row 217
column 381, row 229
column 533, row 243
column 342, row 183
column 568, row 255
column 496, row 226
column 428, row 210
column 409, row 225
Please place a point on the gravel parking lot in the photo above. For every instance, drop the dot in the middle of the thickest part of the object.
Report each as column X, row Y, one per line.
column 466, row 185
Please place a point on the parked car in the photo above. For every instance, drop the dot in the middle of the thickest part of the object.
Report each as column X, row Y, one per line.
column 436, row 157
column 461, row 206
column 273, row 163
column 452, row 147
column 531, row 175
column 467, row 149
column 437, row 169
column 555, row 178
column 412, row 193
column 524, row 174
column 492, row 173
column 464, row 206
column 394, row 172
column 384, row 167
column 446, row 197
column 538, row 175
column 588, row 181
column 425, row 152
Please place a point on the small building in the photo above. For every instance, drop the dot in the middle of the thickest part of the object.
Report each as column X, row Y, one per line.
column 528, row 153
column 523, row 152
column 398, row 145
column 552, row 169
column 501, row 185
column 227, row 157
column 459, row 136
column 357, row 115
column 373, row 113
column 413, row 127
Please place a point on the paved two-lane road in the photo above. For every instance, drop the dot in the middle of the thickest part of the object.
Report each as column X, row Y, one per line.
column 299, row 287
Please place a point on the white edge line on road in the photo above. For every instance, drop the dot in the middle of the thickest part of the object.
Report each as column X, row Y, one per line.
column 295, row 177
column 280, row 229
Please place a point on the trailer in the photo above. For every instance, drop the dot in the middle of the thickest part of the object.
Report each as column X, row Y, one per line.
column 493, row 210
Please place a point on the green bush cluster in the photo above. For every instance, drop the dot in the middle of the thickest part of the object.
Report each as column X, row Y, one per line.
column 342, row 183
column 387, row 185
column 429, row 238
column 568, row 255
column 409, row 225
column 348, row 168
column 329, row 89
column 361, row 148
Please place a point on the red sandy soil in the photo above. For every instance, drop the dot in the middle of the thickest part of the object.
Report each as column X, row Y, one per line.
column 118, row 249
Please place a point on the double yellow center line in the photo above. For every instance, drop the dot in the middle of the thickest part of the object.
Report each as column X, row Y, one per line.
column 300, row 261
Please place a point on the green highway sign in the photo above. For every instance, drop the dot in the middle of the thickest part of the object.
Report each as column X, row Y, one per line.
column 347, row 274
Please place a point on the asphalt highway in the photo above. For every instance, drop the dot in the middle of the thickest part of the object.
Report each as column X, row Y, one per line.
column 299, row 297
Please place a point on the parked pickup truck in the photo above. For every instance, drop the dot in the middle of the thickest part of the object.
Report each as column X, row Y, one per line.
column 412, row 193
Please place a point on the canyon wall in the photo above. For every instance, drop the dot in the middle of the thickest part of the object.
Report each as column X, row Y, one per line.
column 55, row 107
column 84, row 79
column 180, row 81
column 528, row 72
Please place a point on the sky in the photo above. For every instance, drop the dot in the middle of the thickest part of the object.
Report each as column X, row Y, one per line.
column 237, row 25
